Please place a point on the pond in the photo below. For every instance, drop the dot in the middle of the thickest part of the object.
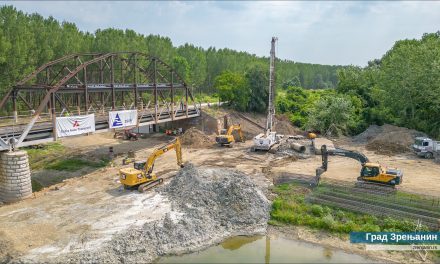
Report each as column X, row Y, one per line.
column 264, row 249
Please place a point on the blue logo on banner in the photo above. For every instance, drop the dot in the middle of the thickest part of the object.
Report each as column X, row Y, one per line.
column 117, row 121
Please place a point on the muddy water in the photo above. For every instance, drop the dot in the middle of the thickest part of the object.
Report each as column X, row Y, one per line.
column 262, row 249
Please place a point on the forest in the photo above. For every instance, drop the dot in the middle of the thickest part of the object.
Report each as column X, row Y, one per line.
column 30, row 40
column 401, row 88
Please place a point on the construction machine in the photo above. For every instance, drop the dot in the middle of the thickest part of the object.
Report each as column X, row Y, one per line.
column 266, row 140
column 141, row 176
column 225, row 137
column 426, row 147
column 370, row 172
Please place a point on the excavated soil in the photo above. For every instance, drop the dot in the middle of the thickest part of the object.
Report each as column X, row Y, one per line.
column 195, row 138
column 208, row 205
column 285, row 127
column 388, row 139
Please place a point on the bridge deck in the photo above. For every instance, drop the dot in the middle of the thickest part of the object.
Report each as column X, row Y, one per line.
column 43, row 131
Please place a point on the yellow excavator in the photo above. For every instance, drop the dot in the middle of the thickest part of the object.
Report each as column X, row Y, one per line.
column 141, row 176
column 370, row 172
column 225, row 137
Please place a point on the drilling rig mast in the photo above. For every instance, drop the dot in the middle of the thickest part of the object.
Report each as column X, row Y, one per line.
column 271, row 105
column 266, row 140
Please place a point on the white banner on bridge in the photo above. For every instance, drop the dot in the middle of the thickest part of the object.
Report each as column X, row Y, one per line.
column 75, row 125
column 124, row 118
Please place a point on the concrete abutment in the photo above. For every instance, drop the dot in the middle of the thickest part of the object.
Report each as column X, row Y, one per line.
column 15, row 176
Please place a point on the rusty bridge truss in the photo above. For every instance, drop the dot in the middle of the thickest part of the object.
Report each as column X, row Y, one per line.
column 97, row 83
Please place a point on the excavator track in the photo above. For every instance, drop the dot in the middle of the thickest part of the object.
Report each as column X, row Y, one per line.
column 149, row 185
column 375, row 186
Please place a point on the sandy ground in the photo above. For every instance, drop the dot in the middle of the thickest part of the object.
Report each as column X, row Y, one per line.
column 83, row 212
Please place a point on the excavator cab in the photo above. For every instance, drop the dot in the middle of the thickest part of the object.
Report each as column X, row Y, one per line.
column 370, row 171
column 223, row 132
column 139, row 165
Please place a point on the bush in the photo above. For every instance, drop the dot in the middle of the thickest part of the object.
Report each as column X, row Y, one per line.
column 317, row 210
column 368, row 227
column 328, row 221
column 331, row 113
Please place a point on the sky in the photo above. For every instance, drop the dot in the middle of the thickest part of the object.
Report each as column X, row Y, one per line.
column 338, row 33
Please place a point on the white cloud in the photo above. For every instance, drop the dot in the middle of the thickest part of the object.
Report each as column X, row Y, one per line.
column 317, row 32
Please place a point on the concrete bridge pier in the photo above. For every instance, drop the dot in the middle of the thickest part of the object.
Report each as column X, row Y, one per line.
column 15, row 176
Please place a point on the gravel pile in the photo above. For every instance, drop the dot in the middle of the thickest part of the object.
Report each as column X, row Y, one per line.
column 208, row 205
column 388, row 139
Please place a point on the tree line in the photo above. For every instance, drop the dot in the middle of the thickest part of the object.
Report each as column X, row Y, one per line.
column 30, row 40
column 401, row 88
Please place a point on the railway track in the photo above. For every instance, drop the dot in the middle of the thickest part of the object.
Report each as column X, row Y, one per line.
column 377, row 200
column 380, row 208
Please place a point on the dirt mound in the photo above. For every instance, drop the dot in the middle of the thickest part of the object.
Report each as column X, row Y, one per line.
column 286, row 128
column 388, row 139
column 195, row 138
column 208, row 205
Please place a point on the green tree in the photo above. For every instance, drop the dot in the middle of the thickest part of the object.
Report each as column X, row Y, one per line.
column 257, row 78
column 181, row 66
column 232, row 87
column 331, row 112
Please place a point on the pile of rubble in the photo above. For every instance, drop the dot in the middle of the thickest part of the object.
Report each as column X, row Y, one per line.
column 195, row 138
column 294, row 147
column 208, row 205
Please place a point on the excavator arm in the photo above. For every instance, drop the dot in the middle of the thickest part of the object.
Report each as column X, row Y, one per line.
column 174, row 144
column 337, row 152
column 238, row 129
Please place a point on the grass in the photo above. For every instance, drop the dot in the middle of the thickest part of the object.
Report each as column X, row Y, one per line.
column 36, row 186
column 74, row 164
column 54, row 156
column 290, row 208
column 45, row 155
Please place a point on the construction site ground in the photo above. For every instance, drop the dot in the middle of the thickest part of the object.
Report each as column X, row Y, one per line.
column 82, row 212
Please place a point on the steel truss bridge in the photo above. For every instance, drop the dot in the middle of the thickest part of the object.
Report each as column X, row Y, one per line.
column 86, row 83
